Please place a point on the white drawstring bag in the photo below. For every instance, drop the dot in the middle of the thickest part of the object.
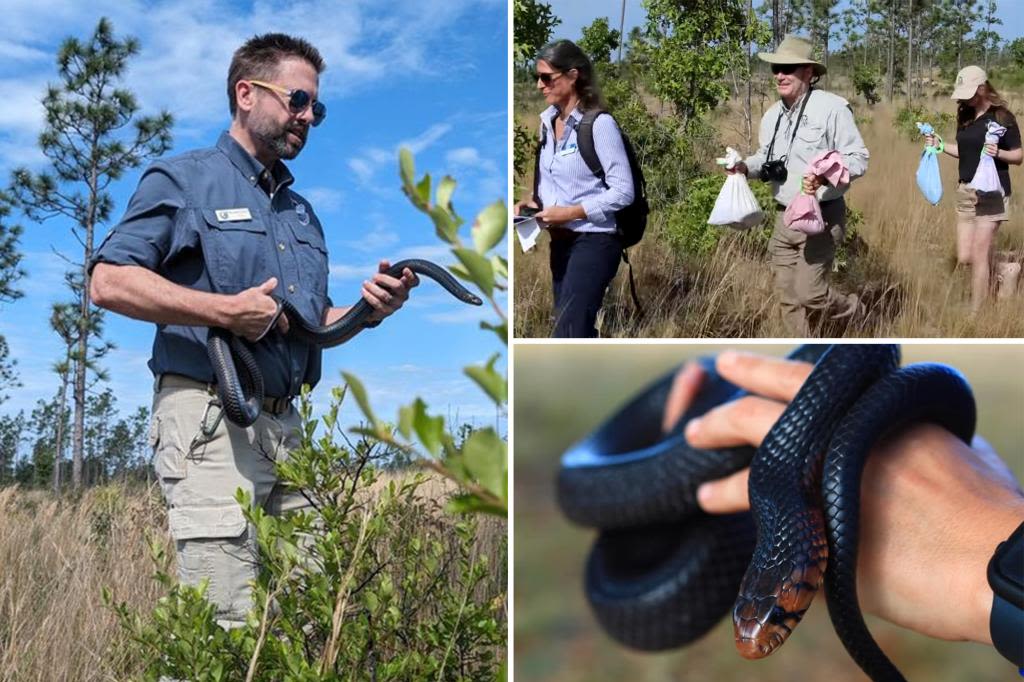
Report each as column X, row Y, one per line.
column 986, row 178
column 736, row 206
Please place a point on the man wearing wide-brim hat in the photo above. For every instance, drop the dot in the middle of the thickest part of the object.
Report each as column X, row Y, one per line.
column 804, row 123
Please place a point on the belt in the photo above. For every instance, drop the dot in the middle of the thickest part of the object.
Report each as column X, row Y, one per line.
column 275, row 406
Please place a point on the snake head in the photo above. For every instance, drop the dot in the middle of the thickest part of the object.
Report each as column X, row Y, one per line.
column 771, row 604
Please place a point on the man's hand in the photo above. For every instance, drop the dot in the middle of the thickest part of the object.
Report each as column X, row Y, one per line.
column 740, row 167
column 253, row 309
column 557, row 215
column 385, row 293
column 932, row 508
column 812, row 183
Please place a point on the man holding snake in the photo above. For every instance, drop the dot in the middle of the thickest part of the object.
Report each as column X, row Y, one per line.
column 207, row 239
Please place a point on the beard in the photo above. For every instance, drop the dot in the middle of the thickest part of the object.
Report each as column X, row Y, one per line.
column 275, row 137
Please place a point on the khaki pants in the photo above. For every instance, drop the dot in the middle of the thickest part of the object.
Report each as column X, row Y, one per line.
column 801, row 264
column 199, row 478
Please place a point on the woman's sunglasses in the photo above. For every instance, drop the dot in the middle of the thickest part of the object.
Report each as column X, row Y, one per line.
column 298, row 100
column 546, row 78
column 785, row 68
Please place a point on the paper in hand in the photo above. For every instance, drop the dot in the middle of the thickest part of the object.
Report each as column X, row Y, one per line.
column 527, row 229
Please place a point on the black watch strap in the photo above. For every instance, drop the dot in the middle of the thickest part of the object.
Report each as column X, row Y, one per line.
column 1006, row 577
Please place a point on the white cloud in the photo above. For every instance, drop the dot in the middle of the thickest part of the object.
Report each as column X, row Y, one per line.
column 439, row 253
column 323, row 199
column 372, row 159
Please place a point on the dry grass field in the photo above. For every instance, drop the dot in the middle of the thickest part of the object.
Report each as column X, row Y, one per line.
column 560, row 397
column 57, row 555
column 905, row 248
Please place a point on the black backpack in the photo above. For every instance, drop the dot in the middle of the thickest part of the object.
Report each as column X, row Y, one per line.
column 631, row 221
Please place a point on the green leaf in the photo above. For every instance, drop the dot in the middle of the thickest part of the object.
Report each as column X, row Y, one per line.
column 493, row 383
column 406, row 415
column 490, row 226
column 423, row 190
column 500, row 266
column 430, row 430
column 460, row 272
column 445, row 188
column 356, row 387
column 446, row 228
column 500, row 329
column 486, row 458
column 479, row 268
column 407, row 169
column 467, row 504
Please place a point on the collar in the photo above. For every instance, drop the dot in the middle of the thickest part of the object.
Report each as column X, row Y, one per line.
column 248, row 166
column 547, row 117
column 796, row 104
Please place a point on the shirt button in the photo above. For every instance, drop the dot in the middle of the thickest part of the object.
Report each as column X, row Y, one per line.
column 291, row 288
column 281, row 246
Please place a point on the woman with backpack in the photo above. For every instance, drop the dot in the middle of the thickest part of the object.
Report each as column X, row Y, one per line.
column 575, row 204
column 979, row 214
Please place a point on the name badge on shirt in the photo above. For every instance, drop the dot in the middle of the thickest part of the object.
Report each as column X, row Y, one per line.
column 568, row 151
column 229, row 215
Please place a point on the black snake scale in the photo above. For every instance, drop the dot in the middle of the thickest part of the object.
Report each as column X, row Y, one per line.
column 238, row 378
column 662, row 572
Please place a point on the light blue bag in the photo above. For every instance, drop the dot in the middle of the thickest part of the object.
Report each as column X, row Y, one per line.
column 928, row 180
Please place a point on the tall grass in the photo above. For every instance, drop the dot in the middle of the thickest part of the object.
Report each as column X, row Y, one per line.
column 903, row 261
column 57, row 555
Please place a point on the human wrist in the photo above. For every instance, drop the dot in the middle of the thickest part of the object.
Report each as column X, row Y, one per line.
column 1000, row 527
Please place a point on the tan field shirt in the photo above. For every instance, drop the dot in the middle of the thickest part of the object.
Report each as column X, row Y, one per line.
column 827, row 124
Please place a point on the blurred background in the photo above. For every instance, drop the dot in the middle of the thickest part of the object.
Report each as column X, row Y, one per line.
column 563, row 391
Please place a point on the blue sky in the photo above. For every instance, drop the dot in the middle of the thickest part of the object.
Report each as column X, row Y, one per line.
column 575, row 14
column 427, row 75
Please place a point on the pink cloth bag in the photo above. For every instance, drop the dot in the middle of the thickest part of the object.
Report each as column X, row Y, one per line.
column 804, row 212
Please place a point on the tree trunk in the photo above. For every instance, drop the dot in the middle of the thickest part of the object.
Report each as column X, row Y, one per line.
column 748, row 111
column 910, row 53
column 59, row 445
column 622, row 27
column 892, row 49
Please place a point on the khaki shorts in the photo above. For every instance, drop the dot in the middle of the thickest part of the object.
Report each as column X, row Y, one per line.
column 967, row 205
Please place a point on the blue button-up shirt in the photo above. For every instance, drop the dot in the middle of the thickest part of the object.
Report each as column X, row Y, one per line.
column 202, row 220
column 566, row 180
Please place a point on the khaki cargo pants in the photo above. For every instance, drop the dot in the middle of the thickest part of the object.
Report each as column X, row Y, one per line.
column 801, row 264
column 199, row 477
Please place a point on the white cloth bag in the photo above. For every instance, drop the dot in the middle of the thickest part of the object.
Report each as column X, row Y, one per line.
column 736, row 205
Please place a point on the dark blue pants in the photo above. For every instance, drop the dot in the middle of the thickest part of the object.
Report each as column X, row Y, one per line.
column 582, row 265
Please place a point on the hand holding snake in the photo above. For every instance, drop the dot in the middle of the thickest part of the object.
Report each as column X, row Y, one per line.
column 916, row 482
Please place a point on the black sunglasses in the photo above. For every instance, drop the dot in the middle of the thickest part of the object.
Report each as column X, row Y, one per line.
column 785, row 68
column 546, row 78
column 298, row 100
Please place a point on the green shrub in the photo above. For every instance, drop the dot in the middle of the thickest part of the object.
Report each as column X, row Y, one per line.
column 866, row 81
column 908, row 116
column 686, row 221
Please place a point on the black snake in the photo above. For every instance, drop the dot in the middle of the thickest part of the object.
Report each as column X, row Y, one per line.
column 239, row 382
column 662, row 572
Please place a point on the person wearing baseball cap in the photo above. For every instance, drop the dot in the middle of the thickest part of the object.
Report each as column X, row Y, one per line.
column 979, row 214
column 802, row 124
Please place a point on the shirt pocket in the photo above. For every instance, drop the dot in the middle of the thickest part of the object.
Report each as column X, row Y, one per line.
column 311, row 258
column 811, row 136
column 234, row 251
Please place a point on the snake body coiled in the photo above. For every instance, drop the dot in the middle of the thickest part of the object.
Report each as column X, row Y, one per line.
column 239, row 383
column 662, row 572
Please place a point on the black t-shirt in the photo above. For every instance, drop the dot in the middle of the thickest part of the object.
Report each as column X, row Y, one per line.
column 971, row 140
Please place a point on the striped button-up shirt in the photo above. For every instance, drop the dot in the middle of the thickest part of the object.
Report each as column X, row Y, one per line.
column 827, row 124
column 566, row 180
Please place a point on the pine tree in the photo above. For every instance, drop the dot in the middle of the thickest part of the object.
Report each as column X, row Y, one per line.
column 86, row 141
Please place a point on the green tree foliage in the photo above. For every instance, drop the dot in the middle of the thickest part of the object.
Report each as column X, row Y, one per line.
column 12, row 428
column 8, row 373
column 87, row 141
column 599, row 40
column 693, row 44
column 532, row 23
column 10, row 258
